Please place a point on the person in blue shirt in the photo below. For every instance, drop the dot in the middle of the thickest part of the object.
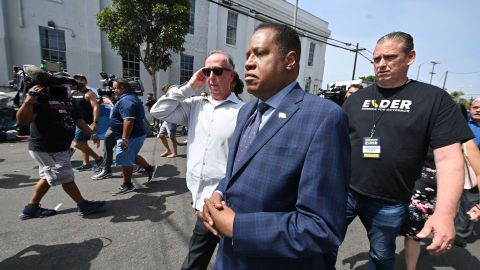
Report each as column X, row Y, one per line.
column 126, row 122
column 474, row 120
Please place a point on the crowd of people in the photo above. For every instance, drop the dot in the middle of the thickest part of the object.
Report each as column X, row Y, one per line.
column 275, row 182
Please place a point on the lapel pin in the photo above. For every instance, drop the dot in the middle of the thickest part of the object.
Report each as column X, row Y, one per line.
column 282, row 115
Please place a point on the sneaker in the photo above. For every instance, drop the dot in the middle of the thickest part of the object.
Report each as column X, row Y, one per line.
column 98, row 169
column 124, row 189
column 103, row 174
column 35, row 211
column 138, row 170
column 150, row 171
column 89, row 207
column 82, row 168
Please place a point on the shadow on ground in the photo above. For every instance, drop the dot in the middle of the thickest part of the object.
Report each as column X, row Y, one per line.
column 11, row 181
column 166, row 170
column 62, row 256
column 457, row 258
column 142, row 206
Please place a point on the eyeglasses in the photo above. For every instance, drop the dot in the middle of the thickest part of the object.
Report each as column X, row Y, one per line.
column 217, row 71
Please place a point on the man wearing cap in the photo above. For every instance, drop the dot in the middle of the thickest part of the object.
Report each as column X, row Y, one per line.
column 85, row 102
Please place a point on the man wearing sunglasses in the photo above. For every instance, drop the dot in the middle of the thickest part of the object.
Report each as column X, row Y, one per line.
column 210, row 121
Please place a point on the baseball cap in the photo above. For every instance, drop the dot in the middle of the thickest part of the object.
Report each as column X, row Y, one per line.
column 76, row 76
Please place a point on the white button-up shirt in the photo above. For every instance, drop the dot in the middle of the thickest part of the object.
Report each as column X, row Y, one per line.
column 210, row 126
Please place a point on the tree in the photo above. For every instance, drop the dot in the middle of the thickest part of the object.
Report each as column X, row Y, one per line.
column 370, row 78
column 149, row 29
column 458, row 97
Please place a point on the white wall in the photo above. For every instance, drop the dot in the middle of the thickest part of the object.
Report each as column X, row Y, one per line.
column 89, row 52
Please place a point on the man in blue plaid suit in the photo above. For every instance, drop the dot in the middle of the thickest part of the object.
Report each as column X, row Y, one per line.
column 282, row 203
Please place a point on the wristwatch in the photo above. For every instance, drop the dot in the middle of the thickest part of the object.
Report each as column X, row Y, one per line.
column 125, row 140
column 33, row 93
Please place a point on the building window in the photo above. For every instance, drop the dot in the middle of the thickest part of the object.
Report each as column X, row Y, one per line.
column 130, row 67
column 52, row 44
column 191, row 20
column 311, row 54
column 232, row 28
column 186, row 67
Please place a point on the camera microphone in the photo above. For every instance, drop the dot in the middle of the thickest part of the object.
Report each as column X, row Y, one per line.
column 37, row 75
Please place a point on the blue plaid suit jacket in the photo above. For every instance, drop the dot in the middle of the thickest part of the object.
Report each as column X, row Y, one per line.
column 289, row 191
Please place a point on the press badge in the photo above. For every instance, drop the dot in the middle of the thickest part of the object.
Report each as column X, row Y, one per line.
column 371, row 147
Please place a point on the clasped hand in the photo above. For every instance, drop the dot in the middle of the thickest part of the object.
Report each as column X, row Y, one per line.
column 217, row 216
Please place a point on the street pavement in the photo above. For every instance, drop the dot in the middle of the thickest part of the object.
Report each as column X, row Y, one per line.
column 147, row 229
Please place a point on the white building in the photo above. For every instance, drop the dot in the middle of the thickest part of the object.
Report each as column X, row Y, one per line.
column 74, row 39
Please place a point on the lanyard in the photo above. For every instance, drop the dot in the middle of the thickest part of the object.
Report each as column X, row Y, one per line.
column 375, row 121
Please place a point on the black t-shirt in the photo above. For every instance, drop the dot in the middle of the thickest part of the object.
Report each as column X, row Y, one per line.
column 409, row 119
column 430, row 160
column 53, row 128
column 83, row 106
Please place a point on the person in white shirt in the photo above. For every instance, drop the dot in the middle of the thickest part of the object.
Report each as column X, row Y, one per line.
column 211, row 121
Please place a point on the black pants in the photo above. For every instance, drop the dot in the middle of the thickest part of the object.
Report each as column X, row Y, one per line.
column 108, row 145
column 463, row 224
column 201, row 247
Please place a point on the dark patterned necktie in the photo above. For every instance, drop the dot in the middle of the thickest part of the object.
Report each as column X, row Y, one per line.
column 251, row 129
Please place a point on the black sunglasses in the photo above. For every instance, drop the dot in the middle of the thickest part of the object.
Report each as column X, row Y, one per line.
column 217, row 71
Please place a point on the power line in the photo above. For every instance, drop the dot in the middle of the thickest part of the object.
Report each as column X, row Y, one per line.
column 303, row 32
column 227, row 4
column 369, row 59
column 441, row 79
column 369, row 51
column 464, row 73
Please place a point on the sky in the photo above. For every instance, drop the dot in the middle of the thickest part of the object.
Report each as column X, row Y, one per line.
column 444, row 31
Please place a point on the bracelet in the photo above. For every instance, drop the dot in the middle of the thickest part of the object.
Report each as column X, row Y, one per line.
column 95, row 121
column 125, row 140
column 476, row 205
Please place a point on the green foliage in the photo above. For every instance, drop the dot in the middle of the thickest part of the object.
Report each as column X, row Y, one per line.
column 157, row 26
column 370, row 78
column 458, row 97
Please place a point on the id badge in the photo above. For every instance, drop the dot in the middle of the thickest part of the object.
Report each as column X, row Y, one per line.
column 371, row 147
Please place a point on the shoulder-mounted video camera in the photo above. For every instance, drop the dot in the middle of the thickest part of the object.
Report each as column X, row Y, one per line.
column 55, row 85
column 107, row 80
column 335, row 94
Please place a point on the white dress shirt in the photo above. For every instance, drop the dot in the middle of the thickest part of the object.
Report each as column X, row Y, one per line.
column 210, row 126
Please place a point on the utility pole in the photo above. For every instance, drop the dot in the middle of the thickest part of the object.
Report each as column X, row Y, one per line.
column 433, row 69
column 418, row 70
column 445, row 80
column 355, row 62
column 295, row 15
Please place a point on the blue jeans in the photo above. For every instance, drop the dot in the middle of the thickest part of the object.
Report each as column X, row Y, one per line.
column 382, row 221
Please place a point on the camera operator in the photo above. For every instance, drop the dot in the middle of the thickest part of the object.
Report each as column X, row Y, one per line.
column 52, row 120
column 352, row 89
column 126, row 122
column 85, row 101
